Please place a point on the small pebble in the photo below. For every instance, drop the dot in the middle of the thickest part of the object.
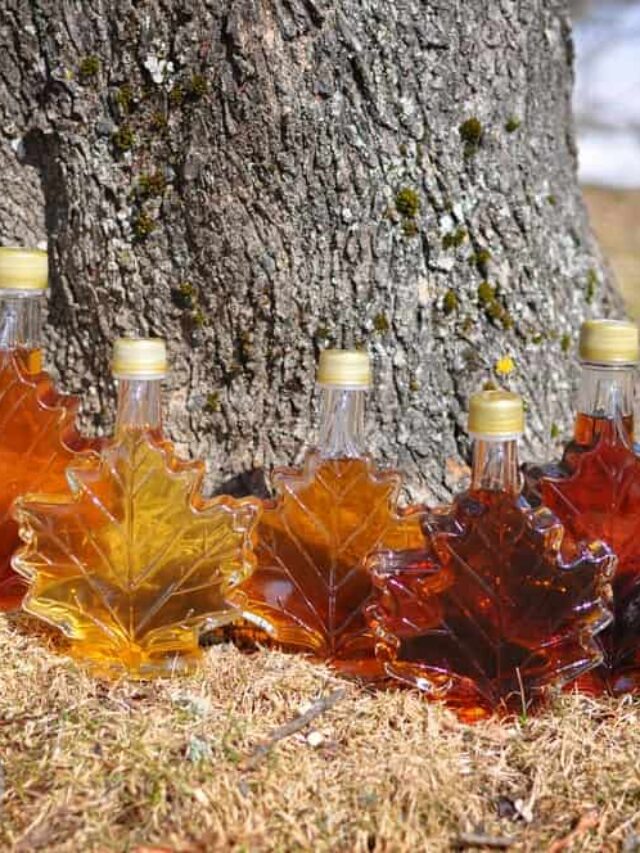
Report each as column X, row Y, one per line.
column 315, row 739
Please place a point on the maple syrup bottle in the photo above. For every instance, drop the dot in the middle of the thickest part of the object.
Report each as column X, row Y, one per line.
column 130, row 562
column 310, row 585
column 38, row 438
column 498, row 604
column 595, row 489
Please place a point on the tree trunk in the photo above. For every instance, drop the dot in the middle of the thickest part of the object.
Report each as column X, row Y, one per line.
column 258, row 179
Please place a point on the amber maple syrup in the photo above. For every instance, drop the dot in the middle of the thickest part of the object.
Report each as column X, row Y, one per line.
column 311, row 585
column 595, row 489
column 38, row 438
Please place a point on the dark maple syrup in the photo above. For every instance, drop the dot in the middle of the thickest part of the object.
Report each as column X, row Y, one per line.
column 499, row 605
column 493, row 613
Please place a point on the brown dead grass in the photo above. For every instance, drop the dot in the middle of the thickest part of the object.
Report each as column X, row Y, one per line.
column 125, row 767
column 615, row 217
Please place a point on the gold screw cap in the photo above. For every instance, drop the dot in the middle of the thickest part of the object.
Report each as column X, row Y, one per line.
column 345, row 368
column 139, row 358
column 23, row 269
column 609, row 342
column 499, row 414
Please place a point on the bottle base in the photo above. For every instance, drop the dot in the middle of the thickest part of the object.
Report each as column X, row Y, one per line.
column 136, row 667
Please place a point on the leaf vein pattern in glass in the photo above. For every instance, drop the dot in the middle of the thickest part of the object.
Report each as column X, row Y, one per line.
column 311, row 584
column 37, row 441
column 276, row 560
column 512, row 616
column 140, row 600
column 596, row 492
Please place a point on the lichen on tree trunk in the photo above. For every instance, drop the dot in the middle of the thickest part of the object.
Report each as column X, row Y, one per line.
column 258, row 179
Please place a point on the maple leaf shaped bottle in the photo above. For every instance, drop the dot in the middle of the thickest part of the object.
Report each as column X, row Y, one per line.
column 595, row 489
column 38, row 438
column 310, row 585
column 130, row 562
column 498, row 604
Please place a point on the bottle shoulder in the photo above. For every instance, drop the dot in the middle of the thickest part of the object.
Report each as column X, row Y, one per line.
column 341, row 475
column 38, row 432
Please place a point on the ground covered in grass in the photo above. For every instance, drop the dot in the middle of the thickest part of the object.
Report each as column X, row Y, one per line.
column 193, row 765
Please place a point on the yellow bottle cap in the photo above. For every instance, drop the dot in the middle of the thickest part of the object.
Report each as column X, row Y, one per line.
column 346, row 368
column 23, row 269
column 609, row 342
column 498, row 414
column 139, row 358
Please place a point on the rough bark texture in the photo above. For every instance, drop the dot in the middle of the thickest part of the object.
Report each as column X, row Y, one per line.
column 257, row 179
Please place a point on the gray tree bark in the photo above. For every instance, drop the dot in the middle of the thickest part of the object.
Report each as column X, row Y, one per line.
column 258, row 179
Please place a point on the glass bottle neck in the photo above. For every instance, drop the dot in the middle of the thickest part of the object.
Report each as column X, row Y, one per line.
column 605, row 396
column 495, row 465
column 139, row 405
column 20, row 319
column 342, row 422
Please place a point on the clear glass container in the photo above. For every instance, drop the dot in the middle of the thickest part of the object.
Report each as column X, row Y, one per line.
column 38, row 436
column 130, row 562
column 497, row 605
column 311, row 584
column 595, row 491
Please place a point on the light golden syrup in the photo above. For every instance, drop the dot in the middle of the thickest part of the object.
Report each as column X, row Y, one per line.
column 132, row 562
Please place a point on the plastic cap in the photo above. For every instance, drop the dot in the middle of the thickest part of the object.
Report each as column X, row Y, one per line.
column 496, row 413
column 347, row 368
column 609, row 342
column 23, row 269
column 139, row 358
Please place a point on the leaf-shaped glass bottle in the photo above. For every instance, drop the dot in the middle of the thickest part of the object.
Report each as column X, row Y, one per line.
column 595, row 489
column 310, row 586
column 38, row 438
column 498, row 604
column 131, row 562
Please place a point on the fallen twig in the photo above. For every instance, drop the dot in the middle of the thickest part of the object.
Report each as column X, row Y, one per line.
column 38, row 833
column 293, row 726
column 479, row 839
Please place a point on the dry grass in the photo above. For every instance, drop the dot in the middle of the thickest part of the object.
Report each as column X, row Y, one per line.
column 125, row 767
column 615, row 216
